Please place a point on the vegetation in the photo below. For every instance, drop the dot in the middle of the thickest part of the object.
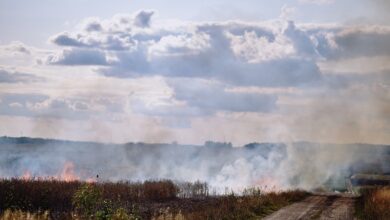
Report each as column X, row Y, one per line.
column 374, row 203
column 53, row 199
column 247, row 206
column 17, row 214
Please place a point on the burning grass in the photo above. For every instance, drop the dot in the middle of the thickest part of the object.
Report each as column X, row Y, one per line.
column 374, row 203
column 54, row 199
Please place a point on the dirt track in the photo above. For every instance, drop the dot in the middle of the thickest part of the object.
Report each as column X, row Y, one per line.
column 317, row 207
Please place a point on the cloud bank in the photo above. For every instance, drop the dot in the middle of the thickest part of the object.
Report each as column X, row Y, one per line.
column 275, row 79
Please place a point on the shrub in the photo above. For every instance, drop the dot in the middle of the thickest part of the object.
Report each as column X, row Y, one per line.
column 120, row 214
column 89, row 203
column 105, row 210
column 87, row 199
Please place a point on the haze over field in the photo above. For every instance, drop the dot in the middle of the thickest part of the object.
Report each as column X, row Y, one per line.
column 269, row 166
column 187, row 72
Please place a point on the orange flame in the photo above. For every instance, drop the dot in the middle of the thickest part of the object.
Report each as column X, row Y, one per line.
column 68, row 173
column 26, row 175
column 91, row 180
column 268, row 184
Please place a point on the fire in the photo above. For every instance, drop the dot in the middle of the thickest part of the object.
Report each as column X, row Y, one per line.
column 91, row 180
column 67, row 174
column 268, row 184
column 26, row 175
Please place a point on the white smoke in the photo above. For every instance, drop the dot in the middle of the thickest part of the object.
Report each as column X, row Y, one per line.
column 273, row 166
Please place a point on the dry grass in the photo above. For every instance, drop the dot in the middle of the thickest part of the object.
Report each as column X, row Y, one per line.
column 125, row 200
column 17, row 214
column 249, row 206
column 374, row 204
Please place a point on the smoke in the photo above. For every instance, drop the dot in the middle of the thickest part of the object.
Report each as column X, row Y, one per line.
column 273, row 166
column 311, row 166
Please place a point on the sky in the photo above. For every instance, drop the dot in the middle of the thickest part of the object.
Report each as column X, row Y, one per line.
column 192, row 71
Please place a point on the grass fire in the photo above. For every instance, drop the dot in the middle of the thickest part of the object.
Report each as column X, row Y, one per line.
column 194, row 110
column 65, row 180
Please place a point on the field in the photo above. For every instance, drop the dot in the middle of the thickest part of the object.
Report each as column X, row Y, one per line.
column 52, row 179
column 53, row 199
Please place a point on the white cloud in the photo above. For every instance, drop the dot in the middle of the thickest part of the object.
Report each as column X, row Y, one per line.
column 197, row 93
column 180, row 77
column 236, row 53
column 92, row 25
column 16, row 77
column 359, row 65
column 71, row 108
column 143, row 18
column 362, row 41
column 78, row 57
column 254, row 49
column 287, row 12
column 15, row 48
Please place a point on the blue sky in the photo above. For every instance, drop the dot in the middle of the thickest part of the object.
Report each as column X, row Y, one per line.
column 155, row 71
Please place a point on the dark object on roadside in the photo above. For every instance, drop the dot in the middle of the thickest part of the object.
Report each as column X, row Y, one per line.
column 370, row 180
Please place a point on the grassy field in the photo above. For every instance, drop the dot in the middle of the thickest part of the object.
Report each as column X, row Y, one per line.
column 53, row 199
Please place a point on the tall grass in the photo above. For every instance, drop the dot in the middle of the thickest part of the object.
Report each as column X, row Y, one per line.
column 133, row 200
column 374, row 204
column 17, row 214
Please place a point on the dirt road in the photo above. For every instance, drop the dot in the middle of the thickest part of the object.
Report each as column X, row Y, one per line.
column 318, row 207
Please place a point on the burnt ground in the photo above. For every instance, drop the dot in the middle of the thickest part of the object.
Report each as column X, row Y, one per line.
column 318, row 207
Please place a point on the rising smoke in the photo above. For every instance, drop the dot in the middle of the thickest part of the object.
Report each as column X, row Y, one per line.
column 270, row 166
